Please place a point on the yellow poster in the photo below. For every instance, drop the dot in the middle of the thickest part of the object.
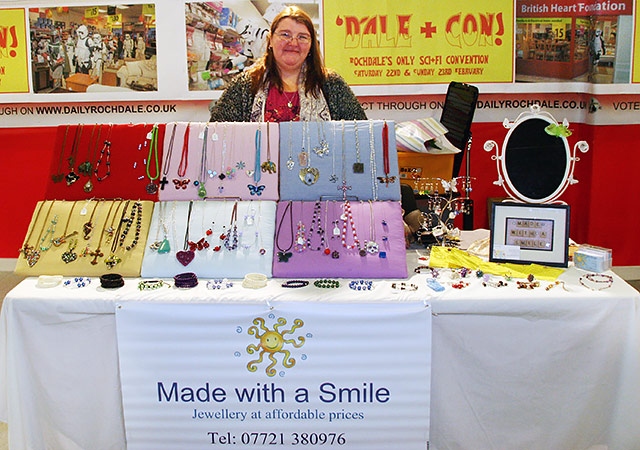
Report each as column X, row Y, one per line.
column 636, row 49
column 419, row 41
column 14, row 75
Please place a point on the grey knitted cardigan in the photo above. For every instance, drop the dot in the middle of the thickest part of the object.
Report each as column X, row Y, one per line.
column 236, row 101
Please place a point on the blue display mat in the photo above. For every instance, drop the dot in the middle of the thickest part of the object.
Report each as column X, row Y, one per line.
column 326, row 174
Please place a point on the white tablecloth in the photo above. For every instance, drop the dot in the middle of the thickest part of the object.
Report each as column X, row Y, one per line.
column 511, row 369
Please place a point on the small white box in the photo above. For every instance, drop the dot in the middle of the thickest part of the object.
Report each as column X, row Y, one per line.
column 592, row 258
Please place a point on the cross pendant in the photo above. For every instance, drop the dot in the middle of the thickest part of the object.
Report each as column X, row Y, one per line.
column 163, row 182
column 96, row 254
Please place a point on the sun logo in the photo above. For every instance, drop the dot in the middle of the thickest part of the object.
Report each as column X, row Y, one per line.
column 272, row 342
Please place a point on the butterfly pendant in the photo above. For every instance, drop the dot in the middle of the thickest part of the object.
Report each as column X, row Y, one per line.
column 181, row 184
column 284, row 256
column 255, row 190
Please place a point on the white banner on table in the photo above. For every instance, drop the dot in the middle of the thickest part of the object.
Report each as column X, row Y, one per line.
column 203, row 376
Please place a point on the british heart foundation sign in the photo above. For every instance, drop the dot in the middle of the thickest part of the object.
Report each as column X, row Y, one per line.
column 13, row 52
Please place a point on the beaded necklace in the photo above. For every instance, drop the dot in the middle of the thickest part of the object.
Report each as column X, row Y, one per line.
column 59, row 176
column 105, row 153
column 231, row 237
column 284, row 253
column 372, row 162
column 348, row 222
column 316, row 226
column 152, row 159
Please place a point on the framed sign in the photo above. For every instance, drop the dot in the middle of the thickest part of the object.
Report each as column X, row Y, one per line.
column 530, row 233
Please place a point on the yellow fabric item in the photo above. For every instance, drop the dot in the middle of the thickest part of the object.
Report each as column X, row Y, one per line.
column 68, row 216
column 453, row 258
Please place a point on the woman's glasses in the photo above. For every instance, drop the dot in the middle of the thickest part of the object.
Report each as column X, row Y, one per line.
column 301, row 38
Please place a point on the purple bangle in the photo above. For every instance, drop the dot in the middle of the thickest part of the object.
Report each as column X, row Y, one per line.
column 185, row 280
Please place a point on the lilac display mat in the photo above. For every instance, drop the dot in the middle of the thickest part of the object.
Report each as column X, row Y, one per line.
column 362, row 186
column 312, row 263
column 240, row 141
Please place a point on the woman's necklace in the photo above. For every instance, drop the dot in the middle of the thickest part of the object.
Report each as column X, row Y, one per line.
column 202, row 243
column 186, row 255
column 86, row 168
column 87, row 227
column 291, row 99
column 255, row 189
column 323, row 146
column 72, row 177
column 358, row 167
column 285, row 253
column 152, row 159
column 290, row 162
column 333, row 177
column 385, row 157
column 105, row 153
column 31, row 252
column 57, row 242
column 161, row 246
column 343, row 187
column 316, row 227
column 167, row 158
column 372, row 162
column 182, row 183
column 59, row 176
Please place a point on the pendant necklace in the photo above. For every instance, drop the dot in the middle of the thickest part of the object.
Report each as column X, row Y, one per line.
column 348, row 222
column 268, row 166
column 87, row 227
column 249, row 223
column 51, row 229
column 31, row 252
column 285, row 253
column 86, row 167
column 255, row 189
column 111, row 230
column 335, row 233
column 72, row 177
column 372, row 162
column 105, row 153
column 57, row 242
column 59, row 176
column 202, row 243
column 371, row 245
column 161, row 246
column 183, row 183
column 113, row 235
column 325, row 241
column 300, row 241
column 186, row 255
column 97, row 253
column 226, row 172
column 308, row 175
column 167, row 158
column 152, row 159
column 333, row 177
column 290, row 162
column 322, row 148
column 385, row 157
column 343, row 187
column 202, row 179
column 358, row 167
column 290, row 100
column 231, row 237
column 212, row 173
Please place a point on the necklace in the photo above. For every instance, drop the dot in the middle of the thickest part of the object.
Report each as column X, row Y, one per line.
column 167, row 158
column 161, row 246
column 87, row 227
column 290, row 162
column 348, row 222
column 268, row 165
column 135, row 213
column 323, row 146
column 372, row 162
column 358, row 167
column 105, row 153
column 87, row 167
column 30, row 252
column 184, row 156
column 385, row 156
column 186, row 255
column 59, row 176
column 72, row 177
column 316, row 226
column 97, row 253
column 152, row 159
column 202, row 191
column 285, row 253
column 255, row 189
column 333, row 177
column 372, row 246
column 202, row 243
column 343, row 187
column 291, row 99
column 57, row 242
column 231, row 237
column 335, row 234
column 308, row 175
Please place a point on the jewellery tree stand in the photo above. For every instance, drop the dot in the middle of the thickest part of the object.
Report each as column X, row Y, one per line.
column 535, row 163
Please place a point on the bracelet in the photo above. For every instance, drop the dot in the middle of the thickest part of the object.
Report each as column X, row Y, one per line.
column 528, row 284
column 48, row 281
column 597, row 279
column 361, row 285
column 111, row 281
column 556, row 283
column 185, row 280
column 295, row 283
column 254, row 281
column 494, row 284
column 326, row 284
column 150, row 285
column 459, row 285
column 419, row 269
column 219, row 284
column 402, row 286
column 77, row 282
